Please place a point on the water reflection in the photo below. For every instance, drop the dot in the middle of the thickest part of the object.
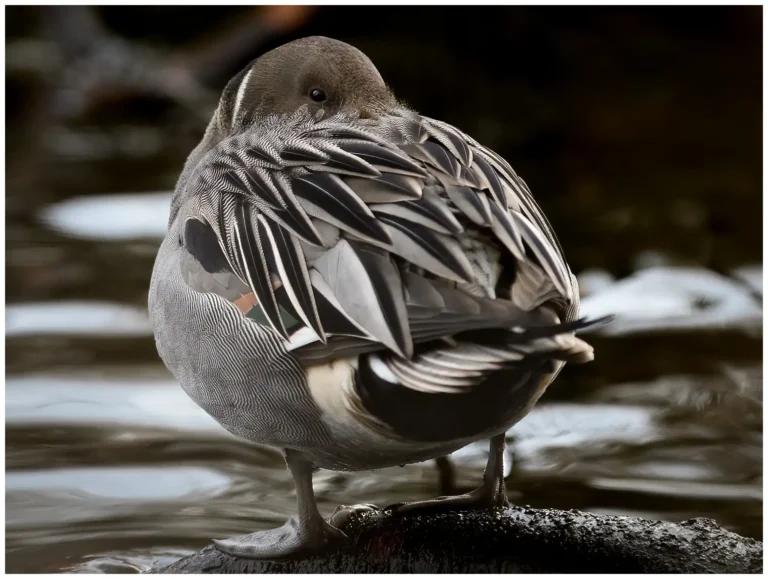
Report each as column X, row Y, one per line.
column 675, row 298
column 76, row 318
column 110, row 217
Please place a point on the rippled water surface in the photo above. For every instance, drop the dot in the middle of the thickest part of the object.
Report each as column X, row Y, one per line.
column 111, row 468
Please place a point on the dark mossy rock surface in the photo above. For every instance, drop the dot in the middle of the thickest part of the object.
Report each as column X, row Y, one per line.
column 511, row 540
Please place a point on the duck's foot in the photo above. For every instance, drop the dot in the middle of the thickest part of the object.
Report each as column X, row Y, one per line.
column 480, row 498
column 493, row 493
column 291, row 539
column 446, row 475
column 304, row 534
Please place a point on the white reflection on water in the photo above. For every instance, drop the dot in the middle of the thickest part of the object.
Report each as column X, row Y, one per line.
column 91, row 399
column 565, row 425
column 557, row 426
column 685, row 489
column 674, row 298
column 76, row 318
column 141, row 483
column 752, row 275
column 111, row 217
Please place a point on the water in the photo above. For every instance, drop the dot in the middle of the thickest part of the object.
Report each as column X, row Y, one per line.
column 111, row 468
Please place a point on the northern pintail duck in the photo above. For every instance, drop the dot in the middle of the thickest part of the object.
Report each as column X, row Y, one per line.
column 355, row 284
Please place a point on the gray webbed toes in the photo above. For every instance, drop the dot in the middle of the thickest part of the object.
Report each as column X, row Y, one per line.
column 286, row 541
column 479, row 499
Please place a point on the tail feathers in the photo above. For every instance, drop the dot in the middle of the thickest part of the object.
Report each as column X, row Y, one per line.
column 454, row 366
column 561, row 328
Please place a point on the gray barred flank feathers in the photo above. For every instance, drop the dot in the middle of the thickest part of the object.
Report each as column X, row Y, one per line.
column 223, row 342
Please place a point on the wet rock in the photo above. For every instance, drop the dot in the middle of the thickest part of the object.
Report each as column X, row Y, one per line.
column 511, row 540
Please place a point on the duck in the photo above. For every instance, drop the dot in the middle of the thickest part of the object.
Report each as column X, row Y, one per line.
column 356, row 285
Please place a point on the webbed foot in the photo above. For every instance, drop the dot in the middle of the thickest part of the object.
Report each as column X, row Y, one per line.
column 493, row 493
column 303, row 534
column 481, row 498
column 293, row 538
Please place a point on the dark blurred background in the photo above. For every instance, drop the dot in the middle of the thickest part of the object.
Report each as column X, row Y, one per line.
column 637, row 128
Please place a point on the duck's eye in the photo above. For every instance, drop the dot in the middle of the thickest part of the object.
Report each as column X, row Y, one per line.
column 317, row 95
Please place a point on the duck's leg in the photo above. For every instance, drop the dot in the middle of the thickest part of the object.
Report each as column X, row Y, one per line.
column 446, row 474
column 492, row 494
column 307, row 531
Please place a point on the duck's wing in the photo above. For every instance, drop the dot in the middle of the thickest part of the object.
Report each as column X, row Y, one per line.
column 347, row 236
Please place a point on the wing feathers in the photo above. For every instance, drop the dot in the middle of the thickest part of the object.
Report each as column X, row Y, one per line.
column 545, row 253
column 435, row 252
column 503, row 225
column 287, row 260
column 251, row 243
column 473, row 204
column 339, row 161
column 492, row 178
column 327, row 197
column 430, row 211
column 386, row 282
column 382, row 158
column 374, row 301
column 389, row 188
column 451, row 139
column 350, row 226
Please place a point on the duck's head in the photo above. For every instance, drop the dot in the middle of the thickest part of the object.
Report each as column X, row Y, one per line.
column 318, row 72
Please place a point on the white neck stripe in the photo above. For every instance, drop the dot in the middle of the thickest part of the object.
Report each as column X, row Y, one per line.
column 240, row 95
